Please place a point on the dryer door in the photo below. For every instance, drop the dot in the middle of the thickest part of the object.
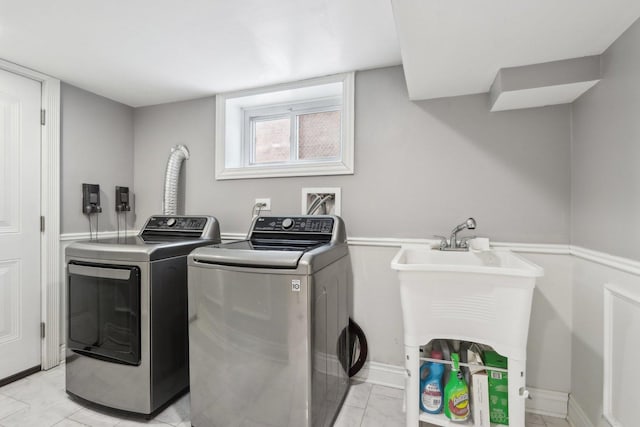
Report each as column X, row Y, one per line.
column 104, row 311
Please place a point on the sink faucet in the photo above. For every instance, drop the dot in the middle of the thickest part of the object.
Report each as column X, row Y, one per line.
column 453, row 244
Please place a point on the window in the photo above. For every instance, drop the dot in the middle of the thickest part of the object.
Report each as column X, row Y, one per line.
column 296, row 129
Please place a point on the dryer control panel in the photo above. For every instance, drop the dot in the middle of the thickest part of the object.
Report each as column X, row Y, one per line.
column 176, row 223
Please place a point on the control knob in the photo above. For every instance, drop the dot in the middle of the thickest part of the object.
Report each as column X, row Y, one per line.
column 171, row 222
column 287, row 223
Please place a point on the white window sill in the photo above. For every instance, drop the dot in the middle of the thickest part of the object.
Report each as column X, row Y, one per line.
column 285, row 171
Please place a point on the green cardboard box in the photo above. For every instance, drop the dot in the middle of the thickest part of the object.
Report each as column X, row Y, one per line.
column 498, row 388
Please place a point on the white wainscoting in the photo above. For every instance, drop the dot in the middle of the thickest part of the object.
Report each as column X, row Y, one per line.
column 377, row 310
column 592, row 272
column 621, row 348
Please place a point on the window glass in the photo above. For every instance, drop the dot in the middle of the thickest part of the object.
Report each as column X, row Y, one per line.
column 319, row 135
column 272, row 140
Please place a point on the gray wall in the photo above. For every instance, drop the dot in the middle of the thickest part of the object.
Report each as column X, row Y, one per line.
column 421, row 167
column 605, row 204
column 606, row 154
column 97, row 148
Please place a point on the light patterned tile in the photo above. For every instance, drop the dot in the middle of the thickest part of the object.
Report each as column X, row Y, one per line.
column 9, row 405
column 67, row 422
column 555, row 422
column 138, row 423
column 358, row 395
column 383, row 411
column 396, row 393
column 41, row 416
column 177, row 412
column 94, row 418
column 350, row 416
column 54, row 376
column 38, row 391
column 533, row 419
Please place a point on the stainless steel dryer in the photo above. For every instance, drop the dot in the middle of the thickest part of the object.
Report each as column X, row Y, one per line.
column 127, row 333
column 265, row 316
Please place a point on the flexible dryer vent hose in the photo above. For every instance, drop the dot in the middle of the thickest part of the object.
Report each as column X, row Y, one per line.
column 170, row 197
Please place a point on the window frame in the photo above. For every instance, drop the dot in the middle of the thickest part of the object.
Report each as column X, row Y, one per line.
column 243, row 165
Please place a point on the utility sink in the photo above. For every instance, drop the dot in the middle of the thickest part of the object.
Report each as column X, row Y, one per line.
column 482, row 296
column 496, row 261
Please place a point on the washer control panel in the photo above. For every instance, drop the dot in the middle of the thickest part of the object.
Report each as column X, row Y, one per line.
column 294, row 224
column 176, row 223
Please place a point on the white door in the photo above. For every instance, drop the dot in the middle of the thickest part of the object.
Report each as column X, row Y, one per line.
column 19, row 224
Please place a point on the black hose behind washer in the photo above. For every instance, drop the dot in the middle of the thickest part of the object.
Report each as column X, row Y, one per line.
column 357, row 345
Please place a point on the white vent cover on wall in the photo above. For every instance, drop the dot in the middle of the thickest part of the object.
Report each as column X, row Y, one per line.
column 621, row 352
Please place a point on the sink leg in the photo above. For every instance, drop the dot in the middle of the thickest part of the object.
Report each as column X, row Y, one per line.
column 517, row 385
column 412, row 389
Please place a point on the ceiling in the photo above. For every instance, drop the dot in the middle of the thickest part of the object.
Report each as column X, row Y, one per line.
column 456, row 47
column 147, row 52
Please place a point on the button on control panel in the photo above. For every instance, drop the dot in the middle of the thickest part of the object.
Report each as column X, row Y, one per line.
column 287, row 223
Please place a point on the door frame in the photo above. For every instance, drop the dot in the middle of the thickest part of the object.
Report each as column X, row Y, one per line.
column 50, row 275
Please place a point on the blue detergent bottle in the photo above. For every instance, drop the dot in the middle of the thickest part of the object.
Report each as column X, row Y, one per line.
column 431, row 390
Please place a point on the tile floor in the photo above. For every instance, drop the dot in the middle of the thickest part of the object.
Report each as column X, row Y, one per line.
column 40, row 401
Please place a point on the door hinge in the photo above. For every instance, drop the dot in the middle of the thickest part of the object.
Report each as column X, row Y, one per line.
column 42, row 330
column 43, row 117
column 41, row 224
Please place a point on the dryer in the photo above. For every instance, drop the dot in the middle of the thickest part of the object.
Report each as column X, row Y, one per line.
column 127, row 333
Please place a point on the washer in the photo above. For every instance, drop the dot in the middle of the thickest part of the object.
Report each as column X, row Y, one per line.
column 265, row 317
column 127, row 333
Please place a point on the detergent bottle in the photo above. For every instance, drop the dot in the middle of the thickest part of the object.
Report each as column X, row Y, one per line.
column 456, row 393
column 431, row 386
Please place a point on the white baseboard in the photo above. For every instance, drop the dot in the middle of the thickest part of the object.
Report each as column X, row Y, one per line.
column 547, row 402
column 576, row 416
column 382, row 374
column 543, row 402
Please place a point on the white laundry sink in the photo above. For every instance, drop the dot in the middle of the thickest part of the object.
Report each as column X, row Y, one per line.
column 480, row 296
column 496, row 261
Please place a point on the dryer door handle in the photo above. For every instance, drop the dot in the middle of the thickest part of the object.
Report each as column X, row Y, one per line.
column 102, row 272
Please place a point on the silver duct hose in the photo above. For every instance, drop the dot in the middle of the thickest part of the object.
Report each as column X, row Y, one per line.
column 170, row 196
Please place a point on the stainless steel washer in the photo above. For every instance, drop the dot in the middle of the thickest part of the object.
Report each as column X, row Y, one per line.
column 127, row 333
column 265, row 316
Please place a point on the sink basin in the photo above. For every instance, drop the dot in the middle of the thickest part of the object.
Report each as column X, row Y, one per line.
column 496, row 261
column 482, row 296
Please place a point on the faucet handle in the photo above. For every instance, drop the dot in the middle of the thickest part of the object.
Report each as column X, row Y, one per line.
column 464, row 241
column 443, row 241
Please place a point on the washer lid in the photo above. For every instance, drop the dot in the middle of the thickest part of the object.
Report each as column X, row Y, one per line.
column 281, row 242
column 249, row 253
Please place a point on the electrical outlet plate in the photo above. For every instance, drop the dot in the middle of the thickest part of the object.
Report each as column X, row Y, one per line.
column 267, row 204
column 122, row 201
column 333, row 206
column 91, row 199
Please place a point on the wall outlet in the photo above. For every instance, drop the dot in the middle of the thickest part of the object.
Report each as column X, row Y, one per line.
column 267, row 204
